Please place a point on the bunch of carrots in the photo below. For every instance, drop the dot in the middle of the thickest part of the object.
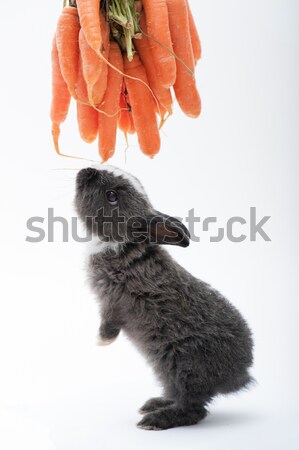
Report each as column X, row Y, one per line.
column 122, row 61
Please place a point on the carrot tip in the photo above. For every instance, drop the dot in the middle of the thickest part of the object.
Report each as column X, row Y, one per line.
column 127, row 142
column 194, row 115
column 56, row 134
column 151, row 156
column 108, row 154
column 74, row 94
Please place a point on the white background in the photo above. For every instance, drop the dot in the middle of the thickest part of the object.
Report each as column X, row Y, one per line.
column 57, row 389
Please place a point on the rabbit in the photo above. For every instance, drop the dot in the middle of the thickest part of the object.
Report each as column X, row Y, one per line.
column 197, row 343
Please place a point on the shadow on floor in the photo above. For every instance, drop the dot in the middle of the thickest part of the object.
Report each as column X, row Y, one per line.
column 216, row 419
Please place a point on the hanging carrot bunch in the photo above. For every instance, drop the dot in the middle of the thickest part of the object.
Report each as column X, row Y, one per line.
column 123, row 61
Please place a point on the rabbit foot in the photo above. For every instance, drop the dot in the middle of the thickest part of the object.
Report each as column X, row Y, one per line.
column 153, row 404
column 170, row 417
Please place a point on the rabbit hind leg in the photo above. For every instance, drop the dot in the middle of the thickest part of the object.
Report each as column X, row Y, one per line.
column 172, row 416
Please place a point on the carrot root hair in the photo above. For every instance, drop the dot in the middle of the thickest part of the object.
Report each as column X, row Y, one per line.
column 170, row 51
column 164, row 120
column 129, row 76
column 56, row 134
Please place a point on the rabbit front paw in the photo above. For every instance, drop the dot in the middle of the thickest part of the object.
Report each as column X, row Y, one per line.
column 104, row 342
column 108, row 332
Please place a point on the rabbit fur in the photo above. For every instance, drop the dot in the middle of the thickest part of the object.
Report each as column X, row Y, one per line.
column 197, row 342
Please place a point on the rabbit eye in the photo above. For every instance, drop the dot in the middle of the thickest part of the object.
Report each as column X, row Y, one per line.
column 112, row 197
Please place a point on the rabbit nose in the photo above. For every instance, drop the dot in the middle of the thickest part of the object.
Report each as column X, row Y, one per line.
column 86, row 175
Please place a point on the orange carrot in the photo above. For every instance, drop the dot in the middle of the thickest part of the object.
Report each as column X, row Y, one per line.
column 100, row 85
column 158, row 28
column 60, row 97
column 94, row 68
column 131, row 129
column 67, row 43
column 89, row 13
column 90, row 64
column 110, row 104
column 87, row 116
column 143, row 107
column 125, row 120
column 142, row 46
column 195, row 41
column 81, row 88
column 185, row 86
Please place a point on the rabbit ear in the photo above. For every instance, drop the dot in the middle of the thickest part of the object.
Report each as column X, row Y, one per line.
column 167, row 230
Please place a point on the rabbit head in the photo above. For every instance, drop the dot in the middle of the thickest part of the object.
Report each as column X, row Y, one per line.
column 115, row 208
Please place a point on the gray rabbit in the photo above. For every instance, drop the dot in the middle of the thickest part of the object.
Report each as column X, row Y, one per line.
column 197, row 342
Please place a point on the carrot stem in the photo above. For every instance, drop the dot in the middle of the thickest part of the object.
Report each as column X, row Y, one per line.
column 124, row 23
